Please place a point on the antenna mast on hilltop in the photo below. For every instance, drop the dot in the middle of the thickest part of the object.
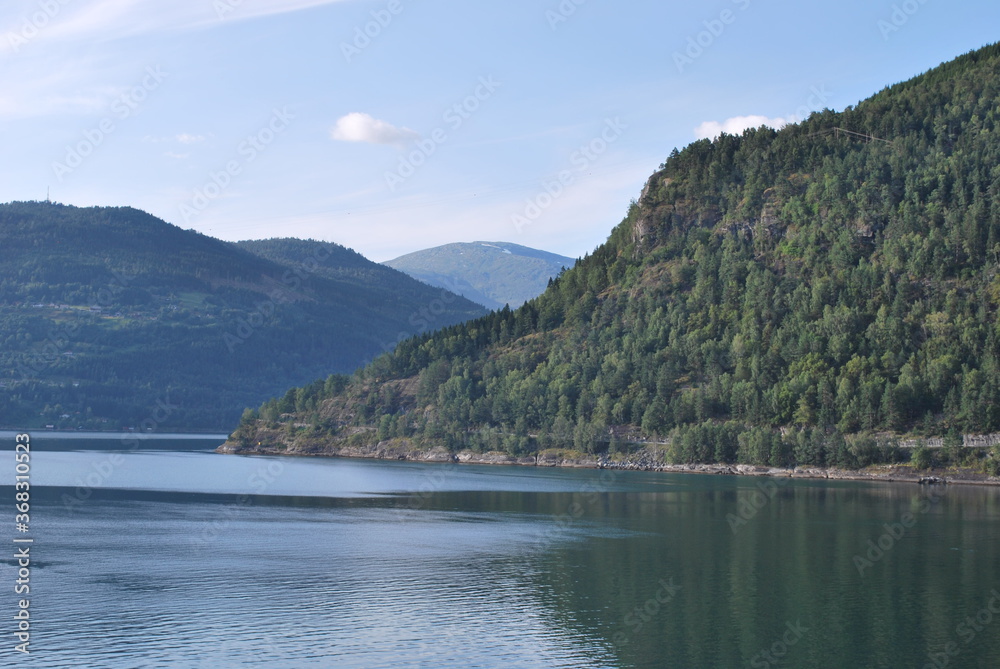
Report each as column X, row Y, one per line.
column 47, row 199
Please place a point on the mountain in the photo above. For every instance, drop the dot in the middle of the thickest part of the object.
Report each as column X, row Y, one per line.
column 803, row 296
column 493, row 274
column 110, row 317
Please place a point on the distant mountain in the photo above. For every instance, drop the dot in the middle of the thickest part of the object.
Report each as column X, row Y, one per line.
column 110, row 317
column 489, row 273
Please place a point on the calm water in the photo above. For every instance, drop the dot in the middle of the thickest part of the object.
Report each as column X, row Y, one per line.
column 192, row 559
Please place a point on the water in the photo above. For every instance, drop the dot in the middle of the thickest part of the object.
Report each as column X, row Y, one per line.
column 193, row 559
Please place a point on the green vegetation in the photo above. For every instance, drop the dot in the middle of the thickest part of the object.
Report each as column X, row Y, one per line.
column 112, row 318
column 493, row 274
column 921, row 458
column 779, row 297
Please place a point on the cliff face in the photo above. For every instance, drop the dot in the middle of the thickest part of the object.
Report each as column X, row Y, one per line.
column 780, row 297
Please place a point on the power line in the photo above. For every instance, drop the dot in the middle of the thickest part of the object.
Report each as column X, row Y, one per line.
column 850, row 133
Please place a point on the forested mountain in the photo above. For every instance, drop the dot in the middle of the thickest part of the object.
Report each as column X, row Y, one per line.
column 396, row 290
column 110, row 317
column 770, row 298
column 493, row 274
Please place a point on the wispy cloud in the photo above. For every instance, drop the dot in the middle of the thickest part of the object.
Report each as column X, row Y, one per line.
column 181, row 138
column 360, row 127
column 736, row 125
column 103, row 20
column 46, row 85
column 45, row 71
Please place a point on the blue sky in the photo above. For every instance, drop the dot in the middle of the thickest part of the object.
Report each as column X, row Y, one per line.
column 395, row 125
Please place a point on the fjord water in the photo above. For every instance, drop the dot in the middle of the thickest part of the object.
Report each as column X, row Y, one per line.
column 193, row 559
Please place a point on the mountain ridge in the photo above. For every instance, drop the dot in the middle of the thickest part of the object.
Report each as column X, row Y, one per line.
column 105, row 311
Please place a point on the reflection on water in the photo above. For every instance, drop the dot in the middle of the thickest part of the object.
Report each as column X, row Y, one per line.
column 116, row 441
column 180, row 560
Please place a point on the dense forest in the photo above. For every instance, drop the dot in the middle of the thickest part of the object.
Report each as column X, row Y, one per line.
column 111, row 318
column 780, row 297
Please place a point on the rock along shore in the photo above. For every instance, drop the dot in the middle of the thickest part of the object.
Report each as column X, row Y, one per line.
column 645, row 460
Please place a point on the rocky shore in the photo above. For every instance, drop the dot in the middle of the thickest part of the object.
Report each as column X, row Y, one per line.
column 645, row 460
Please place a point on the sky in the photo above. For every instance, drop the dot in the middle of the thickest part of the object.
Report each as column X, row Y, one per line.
column 391, row 126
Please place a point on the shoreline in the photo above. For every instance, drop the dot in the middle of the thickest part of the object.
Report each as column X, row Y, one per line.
column 643, row 461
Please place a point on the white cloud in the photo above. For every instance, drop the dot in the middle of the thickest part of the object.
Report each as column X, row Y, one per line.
column 360, row 127
column 736, row 125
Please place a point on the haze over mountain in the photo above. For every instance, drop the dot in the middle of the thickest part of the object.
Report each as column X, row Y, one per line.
column 108, row 315
column 493, row 274
column 770, row 298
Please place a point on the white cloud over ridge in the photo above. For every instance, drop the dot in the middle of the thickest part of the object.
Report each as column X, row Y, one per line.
column 737, row 124
column 361, row 127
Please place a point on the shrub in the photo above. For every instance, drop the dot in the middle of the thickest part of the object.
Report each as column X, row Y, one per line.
column 993, row 461
column 921, row 457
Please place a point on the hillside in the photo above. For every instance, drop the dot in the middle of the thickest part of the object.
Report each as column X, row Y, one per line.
column 109, row 314
column 779, row 297
column 396, row 291
column 493, row 274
